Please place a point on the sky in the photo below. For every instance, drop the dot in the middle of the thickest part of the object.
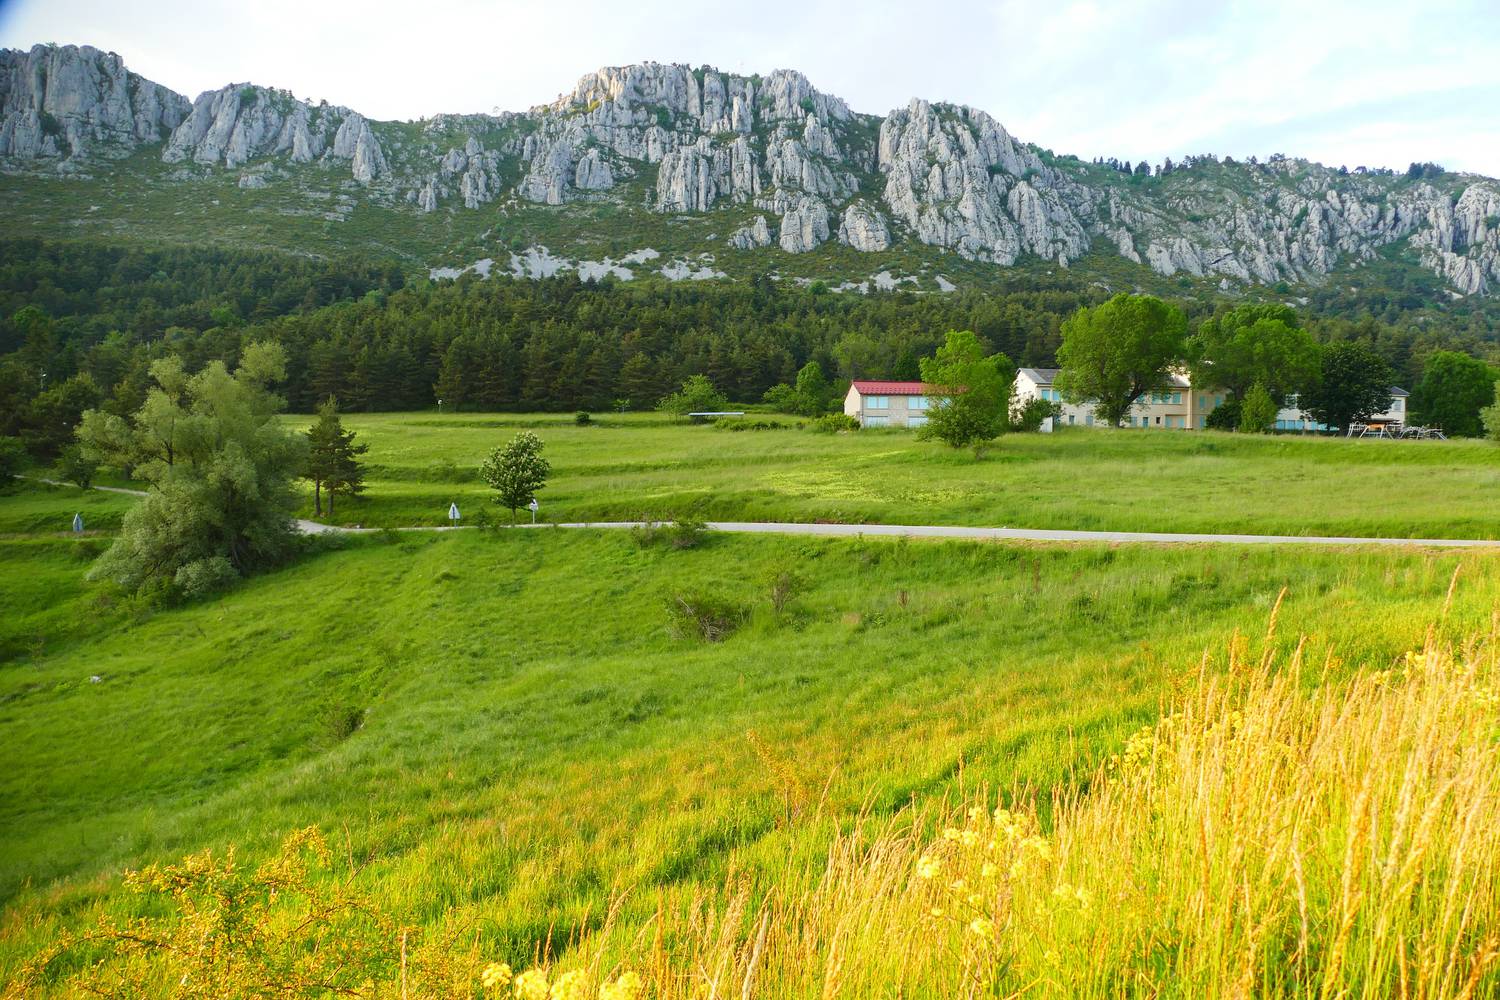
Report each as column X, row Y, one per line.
column 1372, row 83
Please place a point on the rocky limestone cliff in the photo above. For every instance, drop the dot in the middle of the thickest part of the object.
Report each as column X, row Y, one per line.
column 239, row 123
column 673, row 140
column 71, row 101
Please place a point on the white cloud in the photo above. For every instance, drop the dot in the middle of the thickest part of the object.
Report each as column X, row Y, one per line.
column 1372, row 82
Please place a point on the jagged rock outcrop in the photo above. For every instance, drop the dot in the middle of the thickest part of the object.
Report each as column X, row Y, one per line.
column 941, row 175
column 58, row 101
column 752, row 237
column 692, row 178
column 804, row 226
column 238, row 123
column 864, row 228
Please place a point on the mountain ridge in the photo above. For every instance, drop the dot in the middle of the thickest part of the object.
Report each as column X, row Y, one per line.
column 731, row 167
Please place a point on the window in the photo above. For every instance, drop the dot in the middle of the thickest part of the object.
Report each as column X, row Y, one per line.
column 1396, row 404
column 1071, row 418
column 877, row 421
column 1202, row 422
column 917, row 403
column 877, row 402
column 1202, row 402
column 916, row 421
column 1088, row 420
column 1177, row 398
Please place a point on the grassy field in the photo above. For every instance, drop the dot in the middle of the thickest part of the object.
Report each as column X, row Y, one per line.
column 501, row 732
column 643, row 466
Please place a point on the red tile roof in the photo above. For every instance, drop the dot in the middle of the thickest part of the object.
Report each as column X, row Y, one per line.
column 891, row 388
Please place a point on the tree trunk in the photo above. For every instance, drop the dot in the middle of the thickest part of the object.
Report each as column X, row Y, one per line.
column 318, row 498
column 330, row 501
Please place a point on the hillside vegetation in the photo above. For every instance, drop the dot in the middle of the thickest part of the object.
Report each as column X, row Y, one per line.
column 511, row 752
column 627, row 468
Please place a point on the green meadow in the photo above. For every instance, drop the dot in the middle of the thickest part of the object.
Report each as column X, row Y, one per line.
column 505, row 734
column 635, row 466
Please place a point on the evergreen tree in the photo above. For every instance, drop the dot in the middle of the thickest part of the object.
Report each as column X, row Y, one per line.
column 333, row 458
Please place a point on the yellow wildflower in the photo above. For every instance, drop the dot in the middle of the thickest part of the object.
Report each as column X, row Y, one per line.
column 572, row 985
column 989, row 870
column 531, row 985
column 952, row 833
column 981, row 927
column 927, row 867
column 495, row 975
column 626, row 986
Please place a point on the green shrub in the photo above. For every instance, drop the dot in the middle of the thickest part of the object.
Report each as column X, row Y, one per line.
column 741, row 424
column 76, row 467
column 705, row 617
column 833, row 423
column 1031, row 414
column 204, row 576
column 582, row 419
column 683, row 533
column 12, row 460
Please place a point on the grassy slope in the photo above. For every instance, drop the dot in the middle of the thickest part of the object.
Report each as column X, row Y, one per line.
column 1131, row 481
column 534, row 738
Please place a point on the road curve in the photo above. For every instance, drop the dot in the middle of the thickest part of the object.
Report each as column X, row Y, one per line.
column 940, row 531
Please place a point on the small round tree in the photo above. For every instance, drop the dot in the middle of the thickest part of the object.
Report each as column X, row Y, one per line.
column 516, row 472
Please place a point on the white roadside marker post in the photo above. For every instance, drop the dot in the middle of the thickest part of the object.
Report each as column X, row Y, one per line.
column 533, row 507
column 453, row 514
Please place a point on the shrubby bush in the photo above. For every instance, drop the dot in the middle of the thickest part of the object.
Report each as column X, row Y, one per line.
column 1030, row 415
column 706, row 617
column 833, row 423
column 205, row 576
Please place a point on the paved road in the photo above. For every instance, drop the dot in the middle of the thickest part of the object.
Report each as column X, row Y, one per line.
column 946, row 531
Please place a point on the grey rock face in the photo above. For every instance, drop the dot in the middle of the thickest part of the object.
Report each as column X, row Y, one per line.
column 804, row 226
column 66, row 100
column 752, row 237
column 946, row 176
column 864, row 228
column 238, row 123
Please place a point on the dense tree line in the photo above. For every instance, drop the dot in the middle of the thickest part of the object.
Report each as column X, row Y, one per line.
column 81, row 324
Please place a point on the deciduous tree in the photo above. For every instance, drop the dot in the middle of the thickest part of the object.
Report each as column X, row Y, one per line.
column 1454, row 388
column 1354, row 384
column 1114, row 353
column 1255, row 343
column 516, row 472
column 968, row 392
column 221, row 470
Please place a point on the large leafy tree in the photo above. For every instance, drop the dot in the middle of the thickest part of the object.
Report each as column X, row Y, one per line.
column 1454, row 388
column 516, row 472
column 697, row 395
column 333, row 458
column 221, row 470
column 1114, row 353
column 1354, row 384
column 1489, row 416
column 968, row 390
column 1251, row 344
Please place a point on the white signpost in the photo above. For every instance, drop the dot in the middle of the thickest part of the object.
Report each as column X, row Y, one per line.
column 78, row 523
column 533, row 507
column 453, row 512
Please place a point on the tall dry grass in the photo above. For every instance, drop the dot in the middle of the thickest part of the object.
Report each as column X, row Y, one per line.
column 1274, row 835
column 1288, row 829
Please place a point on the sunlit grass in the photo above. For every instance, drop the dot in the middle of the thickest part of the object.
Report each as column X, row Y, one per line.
column 641, row 465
